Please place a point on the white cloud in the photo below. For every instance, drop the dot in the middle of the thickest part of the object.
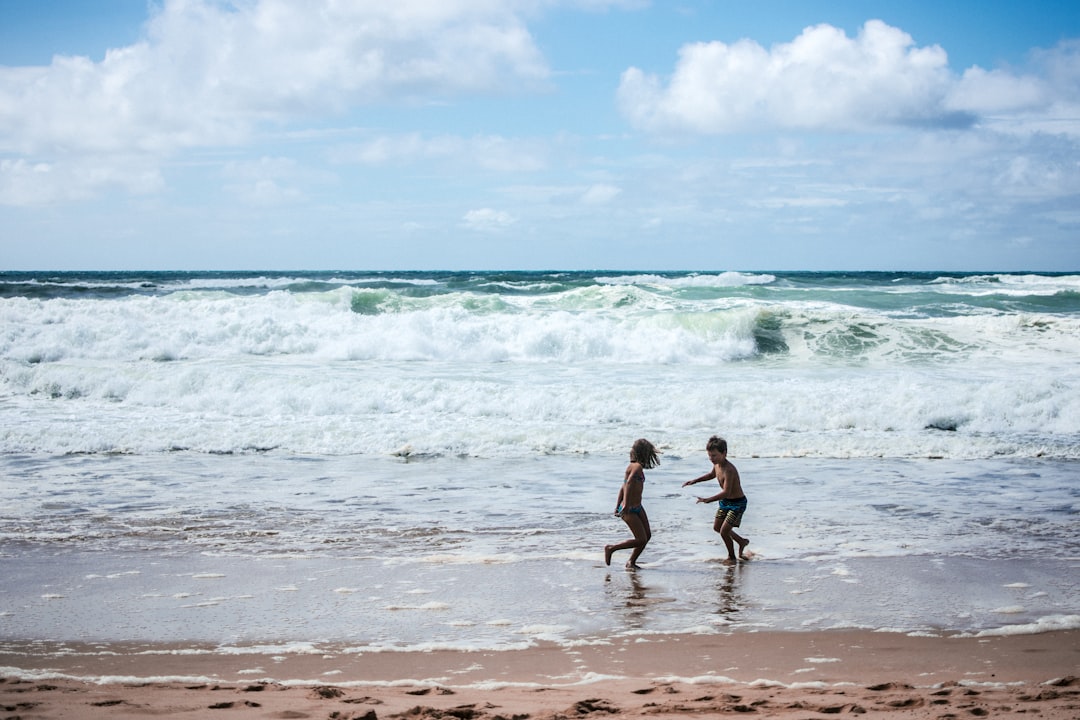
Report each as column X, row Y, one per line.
column 825, row 80
column 798, row 202
column 563, row 195
column 487, row 219
column 1039, row 177
column 208, row 72
column 490, row 152
column 25, row 183
column 989, row 91
column 600, row 194
column 266, row 181
column 1044, row 99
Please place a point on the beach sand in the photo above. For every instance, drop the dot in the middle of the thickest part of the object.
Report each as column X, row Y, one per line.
column 767, row 674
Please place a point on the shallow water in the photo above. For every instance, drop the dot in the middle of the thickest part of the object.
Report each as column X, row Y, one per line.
column 496, row 554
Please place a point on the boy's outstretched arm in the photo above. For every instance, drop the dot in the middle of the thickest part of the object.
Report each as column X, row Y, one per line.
column 718, row 496
column 707, row 476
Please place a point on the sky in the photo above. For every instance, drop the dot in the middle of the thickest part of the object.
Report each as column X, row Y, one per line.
column 540, row 135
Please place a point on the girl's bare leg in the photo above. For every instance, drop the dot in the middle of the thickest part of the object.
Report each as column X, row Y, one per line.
column 640, row 539
column 644, row 538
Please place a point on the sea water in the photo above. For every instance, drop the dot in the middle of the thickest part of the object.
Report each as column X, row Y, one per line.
column 416, row 460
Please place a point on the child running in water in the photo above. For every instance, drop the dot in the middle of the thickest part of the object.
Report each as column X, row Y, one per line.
column 628, row 505
column 731, row 497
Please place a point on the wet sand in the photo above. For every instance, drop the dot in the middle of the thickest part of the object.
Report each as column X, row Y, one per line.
column 796, row 675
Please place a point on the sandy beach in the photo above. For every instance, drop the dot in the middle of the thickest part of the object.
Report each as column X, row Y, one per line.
column 796, row 675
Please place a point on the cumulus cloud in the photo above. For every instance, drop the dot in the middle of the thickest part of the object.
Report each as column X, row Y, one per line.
column 993, row 91
column 1043, row 99
column 826, row 80
column 207, row 72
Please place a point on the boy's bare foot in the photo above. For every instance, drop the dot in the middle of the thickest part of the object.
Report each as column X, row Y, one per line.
column 730, row 561
column 607, row 554
column 632, row 566
column 742, row 548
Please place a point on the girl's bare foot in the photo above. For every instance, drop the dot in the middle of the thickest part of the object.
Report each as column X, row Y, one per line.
column 730, row 561
column 632, row 566
column 607, row 554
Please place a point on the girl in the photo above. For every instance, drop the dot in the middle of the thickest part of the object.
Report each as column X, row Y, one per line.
column 628, row 505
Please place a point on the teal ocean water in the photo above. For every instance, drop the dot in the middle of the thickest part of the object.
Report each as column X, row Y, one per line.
column 423, row 459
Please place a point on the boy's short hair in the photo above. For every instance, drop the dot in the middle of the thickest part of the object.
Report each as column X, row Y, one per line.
column 718, row 444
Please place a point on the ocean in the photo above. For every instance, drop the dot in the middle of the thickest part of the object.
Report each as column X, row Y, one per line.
column 416, row 460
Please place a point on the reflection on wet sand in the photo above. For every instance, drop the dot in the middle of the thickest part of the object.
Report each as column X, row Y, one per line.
column 728, row 595
column 635, row 602
column 635, row 598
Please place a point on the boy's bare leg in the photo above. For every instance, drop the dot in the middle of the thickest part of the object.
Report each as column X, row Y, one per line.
column 742, row 543
column 728, row 535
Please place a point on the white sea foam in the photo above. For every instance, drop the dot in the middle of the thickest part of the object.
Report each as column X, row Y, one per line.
column 289, row 648
column 727, row 279
column 434, row 605
column 1010, row 284
column 1048, row 623
column 303, row 372
column 700, row 680
column 36, row 676
column 1010, row 610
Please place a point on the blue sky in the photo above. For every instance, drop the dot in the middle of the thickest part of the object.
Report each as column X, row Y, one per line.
column 540, row 134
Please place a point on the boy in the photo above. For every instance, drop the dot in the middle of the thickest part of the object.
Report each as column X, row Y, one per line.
column 731, row 497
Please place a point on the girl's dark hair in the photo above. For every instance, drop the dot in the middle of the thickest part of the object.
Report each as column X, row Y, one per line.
column 645, row 453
